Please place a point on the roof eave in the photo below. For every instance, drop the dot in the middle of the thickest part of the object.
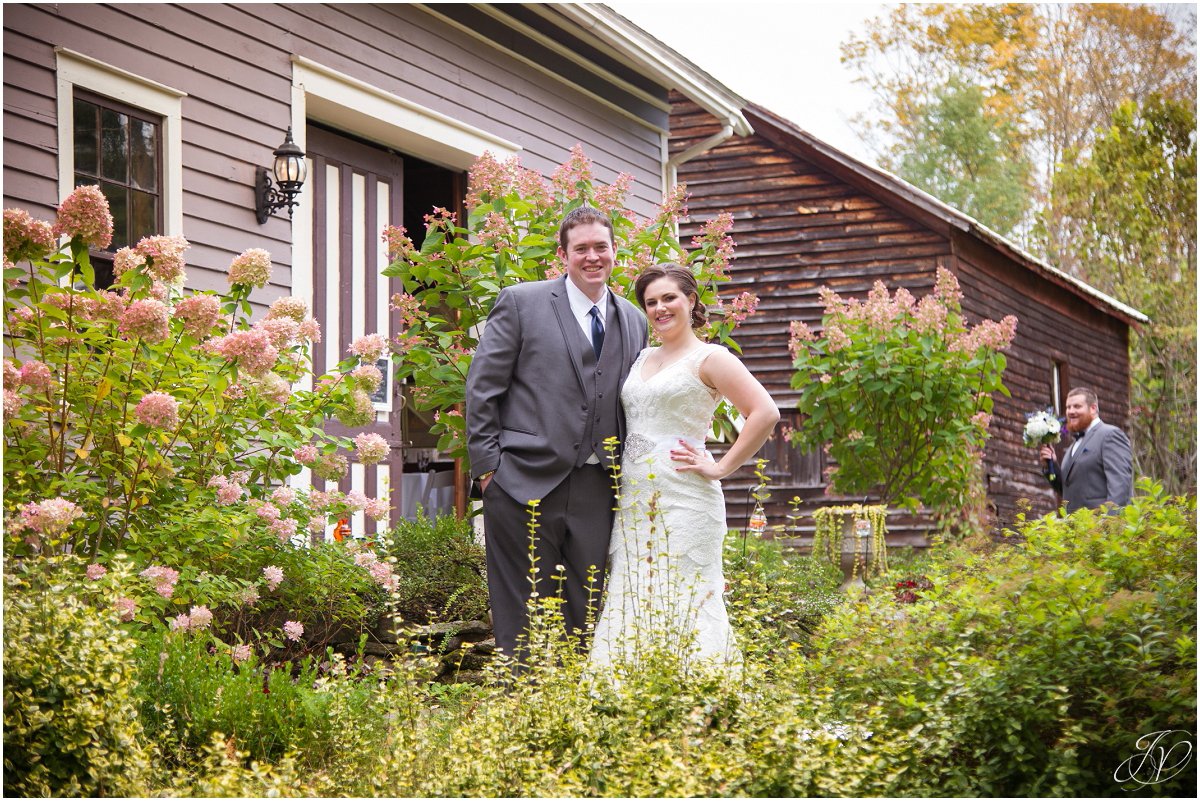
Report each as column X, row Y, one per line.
column 653, row 58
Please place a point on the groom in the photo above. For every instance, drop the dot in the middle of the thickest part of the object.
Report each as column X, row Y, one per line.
column 543, row 393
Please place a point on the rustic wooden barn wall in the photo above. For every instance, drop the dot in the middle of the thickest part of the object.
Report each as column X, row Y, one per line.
column 233, row 61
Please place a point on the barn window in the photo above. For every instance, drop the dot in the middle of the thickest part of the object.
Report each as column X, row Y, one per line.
column 1058, row 382
column 119, row 148
column 788, row 464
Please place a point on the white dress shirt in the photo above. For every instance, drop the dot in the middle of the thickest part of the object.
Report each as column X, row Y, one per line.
column 581, row 307
column 1070, row 454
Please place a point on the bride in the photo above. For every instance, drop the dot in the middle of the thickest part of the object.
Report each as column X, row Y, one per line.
column 665, row 582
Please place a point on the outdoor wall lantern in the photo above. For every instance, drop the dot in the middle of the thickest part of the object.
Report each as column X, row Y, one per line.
column 290, row 171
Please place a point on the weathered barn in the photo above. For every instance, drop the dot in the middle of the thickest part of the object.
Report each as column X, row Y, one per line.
column 807, row 215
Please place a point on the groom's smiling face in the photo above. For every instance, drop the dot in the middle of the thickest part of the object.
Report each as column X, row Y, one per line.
column 589, row 258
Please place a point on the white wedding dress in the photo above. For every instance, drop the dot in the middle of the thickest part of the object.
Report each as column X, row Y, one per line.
column 665, row 585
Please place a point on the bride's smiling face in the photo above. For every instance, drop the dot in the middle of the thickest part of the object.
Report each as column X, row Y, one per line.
column 668, row 308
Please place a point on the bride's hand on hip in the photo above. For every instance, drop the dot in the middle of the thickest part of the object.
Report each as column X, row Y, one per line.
column 690, row 459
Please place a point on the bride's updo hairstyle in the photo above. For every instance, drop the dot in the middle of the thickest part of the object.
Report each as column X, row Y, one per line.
column 683, row 279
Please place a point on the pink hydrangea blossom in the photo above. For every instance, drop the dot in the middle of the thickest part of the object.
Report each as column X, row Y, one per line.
column 164, row 577
column 181, row 622
column 744, row 305
column 146, row 319
column 199, row 314
column 306, row 454
column 126, row 608
column 85, row 214
column 274, row 388
column 12, row 374
column 240, row 653
column 369, row 348
column 252, row 267
column 282, row 331
column 310, row 330
column 127, row 259
column 250, row 349
column 320, row 501
column 382, row 574
column 399, row 246
column 283, row 496
column 371, row 448
column 367, row 376
column 293, row 630
column 25, row 237
column 273, row 576
column 566, row 177
column 201, row 618
column 330, row 466
column 409, row 308
column 95, row 571
column 265, row 511
column 12, row 403
column 377, row 508
column 357, row 500
column 49, row 517
column 228, row 492
column 36, row 375
column 165, row 255
column 289, row 308
column 158, row 410
column 284, row 529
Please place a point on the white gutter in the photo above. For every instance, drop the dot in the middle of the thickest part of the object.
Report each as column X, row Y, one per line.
column 671, row 168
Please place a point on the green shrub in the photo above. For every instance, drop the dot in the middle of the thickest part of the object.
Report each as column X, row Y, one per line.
column 1035, row 668
column 776, row 599
column 70, row 714
column 441, row 569
column 189, row 694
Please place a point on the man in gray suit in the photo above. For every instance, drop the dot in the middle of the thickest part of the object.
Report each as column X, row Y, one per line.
column 543, row 394
column 1097, row 467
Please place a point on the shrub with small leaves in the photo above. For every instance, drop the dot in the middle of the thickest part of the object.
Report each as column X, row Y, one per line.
column 71, row 725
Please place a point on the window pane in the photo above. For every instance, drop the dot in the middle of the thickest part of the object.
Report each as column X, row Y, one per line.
column 114, row 145
column 144, row 217
column 86, row 137
column 143, row 145
column 118, row 204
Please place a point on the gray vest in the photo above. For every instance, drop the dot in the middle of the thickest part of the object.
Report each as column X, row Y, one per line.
column 602, row 382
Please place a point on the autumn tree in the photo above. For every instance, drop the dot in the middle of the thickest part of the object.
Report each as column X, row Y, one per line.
column 1055, row 72
column 1129, row 209
column 968, row 157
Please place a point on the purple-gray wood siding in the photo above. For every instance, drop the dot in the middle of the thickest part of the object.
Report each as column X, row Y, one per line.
column 233, row 61
column 798, row 227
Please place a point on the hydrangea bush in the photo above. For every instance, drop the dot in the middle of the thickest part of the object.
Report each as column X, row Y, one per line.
column 899, row 392
column 451, row 282
column 141, row 419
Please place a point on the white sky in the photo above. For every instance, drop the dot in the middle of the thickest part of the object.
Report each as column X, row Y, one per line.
column 783, row 56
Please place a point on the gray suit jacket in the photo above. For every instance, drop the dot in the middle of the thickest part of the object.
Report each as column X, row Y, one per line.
column 526, row 386
column 1100, row 470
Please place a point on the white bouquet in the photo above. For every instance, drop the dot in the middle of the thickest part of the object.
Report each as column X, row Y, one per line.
column 1042, row 428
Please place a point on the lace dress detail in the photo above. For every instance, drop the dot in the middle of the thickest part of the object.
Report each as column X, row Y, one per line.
column 665, row 580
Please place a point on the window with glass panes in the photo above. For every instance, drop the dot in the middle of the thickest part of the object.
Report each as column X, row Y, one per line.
column 119, row 148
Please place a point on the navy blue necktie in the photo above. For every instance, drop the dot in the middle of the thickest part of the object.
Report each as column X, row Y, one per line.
column 597, row 331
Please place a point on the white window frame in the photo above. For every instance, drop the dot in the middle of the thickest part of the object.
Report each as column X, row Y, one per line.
column 77, row 70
